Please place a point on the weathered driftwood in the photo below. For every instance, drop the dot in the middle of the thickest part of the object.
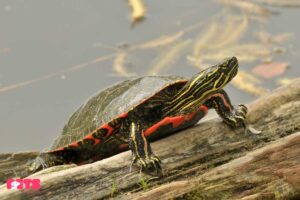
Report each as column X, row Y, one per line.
column 271, row 172
column 194, row 154
column 13, row 164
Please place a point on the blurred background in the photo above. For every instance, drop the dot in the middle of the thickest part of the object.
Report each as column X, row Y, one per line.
column 56, row 54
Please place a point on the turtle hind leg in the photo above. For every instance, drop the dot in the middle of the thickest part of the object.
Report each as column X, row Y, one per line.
column 141, row 150
column 46, row 160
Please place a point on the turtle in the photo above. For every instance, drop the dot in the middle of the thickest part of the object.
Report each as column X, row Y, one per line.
column 135, row 112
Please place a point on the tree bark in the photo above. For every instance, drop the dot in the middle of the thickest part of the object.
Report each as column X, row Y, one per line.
column 208, row 161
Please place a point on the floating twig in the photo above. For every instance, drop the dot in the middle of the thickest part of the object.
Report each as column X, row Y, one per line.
column 161, row 41
column 138, row 11
column 119, row 65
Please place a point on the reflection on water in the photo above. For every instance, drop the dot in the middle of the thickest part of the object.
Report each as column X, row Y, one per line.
column 53, row 55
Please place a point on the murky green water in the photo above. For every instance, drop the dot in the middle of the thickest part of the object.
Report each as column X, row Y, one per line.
column 44, row 43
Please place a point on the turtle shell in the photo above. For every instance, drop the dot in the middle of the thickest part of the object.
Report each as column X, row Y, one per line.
column 112, row 102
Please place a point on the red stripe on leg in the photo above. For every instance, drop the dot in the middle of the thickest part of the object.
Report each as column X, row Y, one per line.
column 153, row 128
column 224, row 100
column 175, row 121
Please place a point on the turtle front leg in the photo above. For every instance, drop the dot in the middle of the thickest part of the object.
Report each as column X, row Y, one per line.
column 141, row 149
column 233, row 116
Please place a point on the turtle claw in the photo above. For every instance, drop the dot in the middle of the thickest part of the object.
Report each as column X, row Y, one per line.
column 241, row 111
column 148, row 164
column 239, row 120
column 239, row 116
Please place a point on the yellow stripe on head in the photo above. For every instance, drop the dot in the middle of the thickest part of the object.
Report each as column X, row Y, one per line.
column 201, row 86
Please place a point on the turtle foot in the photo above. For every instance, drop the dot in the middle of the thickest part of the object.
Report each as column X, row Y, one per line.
column 150, row 163
column 240, row 115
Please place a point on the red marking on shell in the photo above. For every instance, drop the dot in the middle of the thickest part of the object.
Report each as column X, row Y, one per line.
column 91, row 137
column 59, row 149
column 74, row 144
column 97, row 141
column 109, row 129
column 123, row 115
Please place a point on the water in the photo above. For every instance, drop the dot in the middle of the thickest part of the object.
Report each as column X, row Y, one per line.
column 39, row 40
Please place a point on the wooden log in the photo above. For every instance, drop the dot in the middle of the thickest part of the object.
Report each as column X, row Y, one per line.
column 187, row 154
column 271, row 172
column 13, row 164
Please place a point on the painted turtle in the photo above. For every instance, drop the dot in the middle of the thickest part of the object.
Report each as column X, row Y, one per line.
column 134, row 112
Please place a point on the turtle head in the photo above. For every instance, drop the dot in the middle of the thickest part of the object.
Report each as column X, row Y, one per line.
column 212, row 78
column 223, row 73
column 201, row 86
column 216, row 77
